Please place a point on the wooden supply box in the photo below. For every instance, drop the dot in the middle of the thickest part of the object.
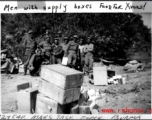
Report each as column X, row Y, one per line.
column 100, row 75
column 62, row 76
column 58, row 94
column 26, row 98
column 45, row 105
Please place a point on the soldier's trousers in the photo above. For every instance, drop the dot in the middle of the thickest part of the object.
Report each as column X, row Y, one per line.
column 48, row 55
column 80, row 62
column 26, row 61
column 72, row 58
column 88, row 61
column 56, row 59
column 35, row 71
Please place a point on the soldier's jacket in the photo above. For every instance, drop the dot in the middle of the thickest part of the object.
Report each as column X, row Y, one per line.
column 64, row 46
column 88, row 47
column 46, row 46
column 30, row 45
column 57, row 49
column 35, row 60
column 60, row 40
column 72, row 46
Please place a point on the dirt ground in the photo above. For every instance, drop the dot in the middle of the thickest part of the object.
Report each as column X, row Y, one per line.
column 135, row 94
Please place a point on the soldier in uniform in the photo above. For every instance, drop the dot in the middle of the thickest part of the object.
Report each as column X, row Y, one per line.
column 64, row 45
column 57, row 52
column 60, row 37
column 88, row 49
column 46, row 46
column 30, row 47
column 35, row 63
column 48, row 34
column 72, row 52
column 81, row 52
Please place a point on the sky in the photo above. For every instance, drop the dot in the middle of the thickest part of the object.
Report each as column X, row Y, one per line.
column 146, row 17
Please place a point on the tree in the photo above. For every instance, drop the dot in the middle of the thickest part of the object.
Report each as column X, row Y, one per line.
column 115, row 35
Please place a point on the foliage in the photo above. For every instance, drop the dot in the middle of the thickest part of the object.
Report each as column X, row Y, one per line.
column 114, row 35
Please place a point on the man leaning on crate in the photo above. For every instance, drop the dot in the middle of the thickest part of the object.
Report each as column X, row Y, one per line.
column 88, row 49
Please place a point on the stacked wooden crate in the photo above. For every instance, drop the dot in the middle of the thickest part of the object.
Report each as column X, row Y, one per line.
column 26, row 98
column 59, row 86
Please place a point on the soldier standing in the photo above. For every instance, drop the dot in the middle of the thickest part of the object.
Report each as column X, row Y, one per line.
column 46, row 46
column 48, row 34
column 64, row 45
column 72, row 52
column 81, row 51
column 60, row 37
column 30, row 47
column 57, row 52
column 88, row 49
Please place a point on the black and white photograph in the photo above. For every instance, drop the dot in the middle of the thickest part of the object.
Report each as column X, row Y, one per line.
column 76, row 63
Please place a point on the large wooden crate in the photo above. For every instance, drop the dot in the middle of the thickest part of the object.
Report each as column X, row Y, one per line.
column 58, row 94
column 26, row 98
column 61, row 76
column 45, row 105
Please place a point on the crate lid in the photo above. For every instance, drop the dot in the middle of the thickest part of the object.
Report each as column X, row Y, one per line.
column 62, row 69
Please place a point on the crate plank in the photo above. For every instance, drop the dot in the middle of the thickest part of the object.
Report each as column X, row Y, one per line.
column 46, row 105
column 24, row 86
column 58, row 94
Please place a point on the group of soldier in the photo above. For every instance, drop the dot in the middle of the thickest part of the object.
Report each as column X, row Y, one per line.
column 78, row 50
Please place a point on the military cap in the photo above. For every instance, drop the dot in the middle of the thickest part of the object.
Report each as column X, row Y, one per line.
column 60, row 32
column 65, row 38
column 71, row 38
column 43, row 50
column 57, row 35
column 30, row 32
column 39, row 50
column 75, row 36
column 88, row 37
column 56, row 38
